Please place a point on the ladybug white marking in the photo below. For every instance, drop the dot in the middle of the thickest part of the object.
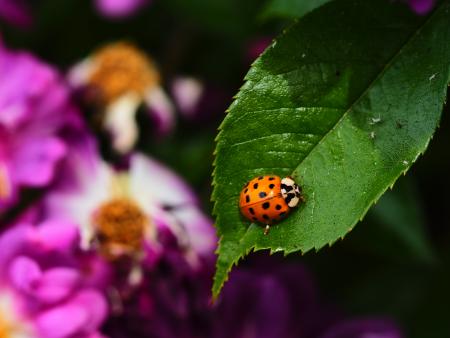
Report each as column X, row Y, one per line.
column 290, row 192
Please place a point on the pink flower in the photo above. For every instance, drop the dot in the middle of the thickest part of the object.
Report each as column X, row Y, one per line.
column 272, row 298
column 37, row 123
column 198, row 101
column 119, row 8
column 422, row 6
column 53, row 289
column 141, row 213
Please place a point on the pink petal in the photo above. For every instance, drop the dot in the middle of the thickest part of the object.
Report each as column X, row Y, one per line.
column 62, row 321
column 16, row 12
column 96, row 306
column 422, row 6
column 56, row 284
column 187, row 93
column 24, row 273
column 34, row 162
column 55, row 235
column 119, row 8
column 161, row 109
column 11, row 243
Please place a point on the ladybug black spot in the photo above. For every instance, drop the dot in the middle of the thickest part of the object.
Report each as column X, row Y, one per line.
column 260, row 178
column 271, row 186
column 247, row 198
column 255, row 186
column 282, row 214
column 245, row 191
column 251, row 211
column 278, row 207
column 266, row 205
column 254, row 218
column 265, row 216
column 271, row 178
column 262, row 194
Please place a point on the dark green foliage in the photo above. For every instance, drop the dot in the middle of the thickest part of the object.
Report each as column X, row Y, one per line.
column 344, row 101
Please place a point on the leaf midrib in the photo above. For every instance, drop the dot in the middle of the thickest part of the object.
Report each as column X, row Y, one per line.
column 372, row 83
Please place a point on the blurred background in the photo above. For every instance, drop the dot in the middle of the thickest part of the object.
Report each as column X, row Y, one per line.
column 394, row 265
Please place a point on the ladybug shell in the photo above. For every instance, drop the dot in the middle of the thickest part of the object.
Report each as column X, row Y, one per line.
column 261, row 200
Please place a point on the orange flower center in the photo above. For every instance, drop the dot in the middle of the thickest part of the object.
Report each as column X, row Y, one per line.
column 4, row 329
column 4, row 185
column 121, row 68
column 120, row 226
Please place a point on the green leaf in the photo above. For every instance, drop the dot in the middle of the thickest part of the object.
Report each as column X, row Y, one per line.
column 290, row 9
column 344, row 101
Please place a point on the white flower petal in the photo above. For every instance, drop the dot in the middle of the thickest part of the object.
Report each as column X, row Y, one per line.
column 199, row 229
column 94, row 189
column 162, row 109
column 187, row 92
column 120, row 121
column 80, row 74
column 153, row 185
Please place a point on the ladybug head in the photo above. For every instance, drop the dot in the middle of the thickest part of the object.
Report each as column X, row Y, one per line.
column 290, row 191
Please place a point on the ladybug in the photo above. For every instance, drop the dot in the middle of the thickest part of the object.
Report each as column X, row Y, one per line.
column 269, row 199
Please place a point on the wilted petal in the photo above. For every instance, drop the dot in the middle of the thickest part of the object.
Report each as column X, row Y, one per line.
column 161, row 109
column 120, row 122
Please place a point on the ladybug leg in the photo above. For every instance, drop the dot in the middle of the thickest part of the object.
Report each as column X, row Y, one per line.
column 267, row 229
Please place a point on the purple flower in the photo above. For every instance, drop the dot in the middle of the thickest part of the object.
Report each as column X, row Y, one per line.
column 421, row 6
column 198, row 101
column 167, row 243
column 117, row 79
column 155, row 208
column 37, row 123
column 119, row 8
column 355, row 328
column 53, row 289
column 15, row 12
column 273, row 298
